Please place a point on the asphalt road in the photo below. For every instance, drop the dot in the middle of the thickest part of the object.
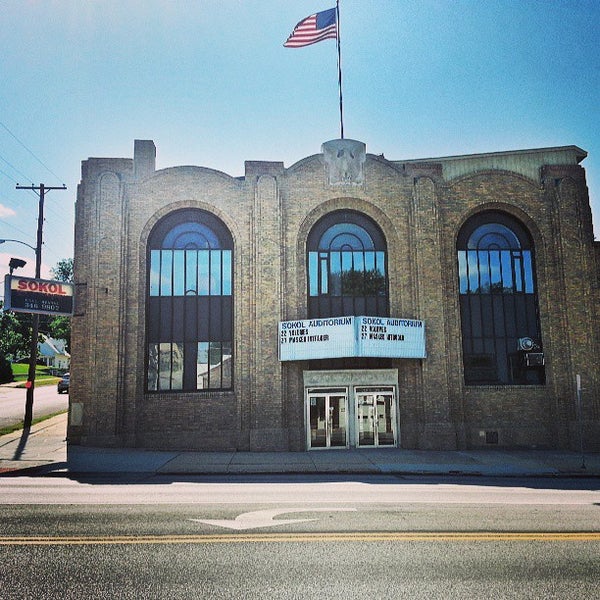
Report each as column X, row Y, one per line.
column 299, row 537
column 46, row 400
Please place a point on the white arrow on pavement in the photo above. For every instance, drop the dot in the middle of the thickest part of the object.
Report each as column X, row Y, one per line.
column 264, row 518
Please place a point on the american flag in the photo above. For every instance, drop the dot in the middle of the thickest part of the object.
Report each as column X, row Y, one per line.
column 313, row 29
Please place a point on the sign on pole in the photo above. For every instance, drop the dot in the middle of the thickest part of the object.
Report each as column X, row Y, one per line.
column 41, row 296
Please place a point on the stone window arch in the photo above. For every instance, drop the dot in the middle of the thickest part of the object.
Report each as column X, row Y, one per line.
column 189, row 296
column 498, row 301
column 347, row 266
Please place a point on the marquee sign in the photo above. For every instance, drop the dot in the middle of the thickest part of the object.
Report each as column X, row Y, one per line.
column 42, row 296
column 316, row 338
column 341, row 337
column 388, row 337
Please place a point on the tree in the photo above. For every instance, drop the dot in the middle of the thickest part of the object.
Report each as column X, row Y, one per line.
column 6, row 374
column 15, row 334
column 63, row 270
column 363, row 283
column 14, row 341
column 60, row 327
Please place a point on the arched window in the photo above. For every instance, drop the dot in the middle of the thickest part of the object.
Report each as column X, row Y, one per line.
column 498, row 301
column 347, row 270
column 189, row 303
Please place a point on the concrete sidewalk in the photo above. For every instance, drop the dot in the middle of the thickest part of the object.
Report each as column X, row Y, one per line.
column 44, row 451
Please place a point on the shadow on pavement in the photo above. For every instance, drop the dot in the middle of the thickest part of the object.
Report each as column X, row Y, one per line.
column 537, row 483
column 22, row 443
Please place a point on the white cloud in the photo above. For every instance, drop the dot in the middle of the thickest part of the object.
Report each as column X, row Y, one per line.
column 5, row 211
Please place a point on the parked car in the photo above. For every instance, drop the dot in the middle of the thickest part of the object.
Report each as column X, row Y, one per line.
column 63, row 384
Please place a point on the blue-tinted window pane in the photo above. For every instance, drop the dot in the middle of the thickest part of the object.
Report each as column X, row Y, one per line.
column 352, row 282
column 463, row 282
column 358, row 260
column 473, row 270
column 313, row 273
column 335, row 274
column 202, row 366
column 178, row 272
column 347, row 261
column 507, row 271
column 226, row 365
column 215, row 273
column 518, row 271
column 377, row 279
column 203, row 273
column 346, row 236
column 484, row 272
column 166, row 273
column 380, row 263
column 177, row 367
column 170, row 366
column 496, row 284
column 323, row 274
column 155, row 272
column 191, row 273
column 227, row 272
column 214, row 359
column 493, row 236
column 191, row 236
column 153, row 362
column 528, row 272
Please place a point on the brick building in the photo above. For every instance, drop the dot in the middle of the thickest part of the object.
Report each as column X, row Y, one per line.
column 347, row 301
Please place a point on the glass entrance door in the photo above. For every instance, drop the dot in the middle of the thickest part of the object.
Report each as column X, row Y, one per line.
column 375, row 417
column 328, row 418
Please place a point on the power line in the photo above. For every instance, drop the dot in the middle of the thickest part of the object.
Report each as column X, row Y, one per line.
column 16, row 170
column 15, row 228
column 27, row 178
column 7, row 175
column 31, row 152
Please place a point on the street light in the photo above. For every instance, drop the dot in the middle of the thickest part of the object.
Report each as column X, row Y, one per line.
column 15, row 263
column 20, row 242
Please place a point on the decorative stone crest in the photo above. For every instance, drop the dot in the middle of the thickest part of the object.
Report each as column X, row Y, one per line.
column 344, row 160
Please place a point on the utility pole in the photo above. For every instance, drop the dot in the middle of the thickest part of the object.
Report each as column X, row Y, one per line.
column 40, row 190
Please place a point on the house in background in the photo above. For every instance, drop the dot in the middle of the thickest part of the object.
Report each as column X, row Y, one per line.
column 54, row 353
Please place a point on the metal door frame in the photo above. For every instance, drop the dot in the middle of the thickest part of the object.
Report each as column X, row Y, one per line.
column 361, row 391
column 327, row 393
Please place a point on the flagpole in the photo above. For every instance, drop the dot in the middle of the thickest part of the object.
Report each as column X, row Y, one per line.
column 339, row 52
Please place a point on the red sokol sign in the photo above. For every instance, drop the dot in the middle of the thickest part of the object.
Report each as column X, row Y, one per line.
column 23, row 294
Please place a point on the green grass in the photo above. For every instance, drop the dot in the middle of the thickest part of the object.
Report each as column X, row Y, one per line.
column 42, row 376
column 18, row 426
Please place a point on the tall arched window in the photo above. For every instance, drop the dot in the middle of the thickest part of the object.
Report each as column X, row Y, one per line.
column 498, row 302
column 347, row 270
column 189, row 303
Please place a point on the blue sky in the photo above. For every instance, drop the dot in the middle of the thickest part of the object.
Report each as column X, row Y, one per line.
column 211, row 83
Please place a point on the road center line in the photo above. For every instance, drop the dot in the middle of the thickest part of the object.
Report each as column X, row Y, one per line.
column 435, row 536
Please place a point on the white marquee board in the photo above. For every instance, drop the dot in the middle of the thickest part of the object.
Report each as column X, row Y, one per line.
column 340, row 337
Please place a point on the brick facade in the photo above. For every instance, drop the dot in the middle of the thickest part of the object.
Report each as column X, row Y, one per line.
column 420, row 207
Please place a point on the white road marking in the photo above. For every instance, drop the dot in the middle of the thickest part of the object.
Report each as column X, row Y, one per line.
column 264, row 518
